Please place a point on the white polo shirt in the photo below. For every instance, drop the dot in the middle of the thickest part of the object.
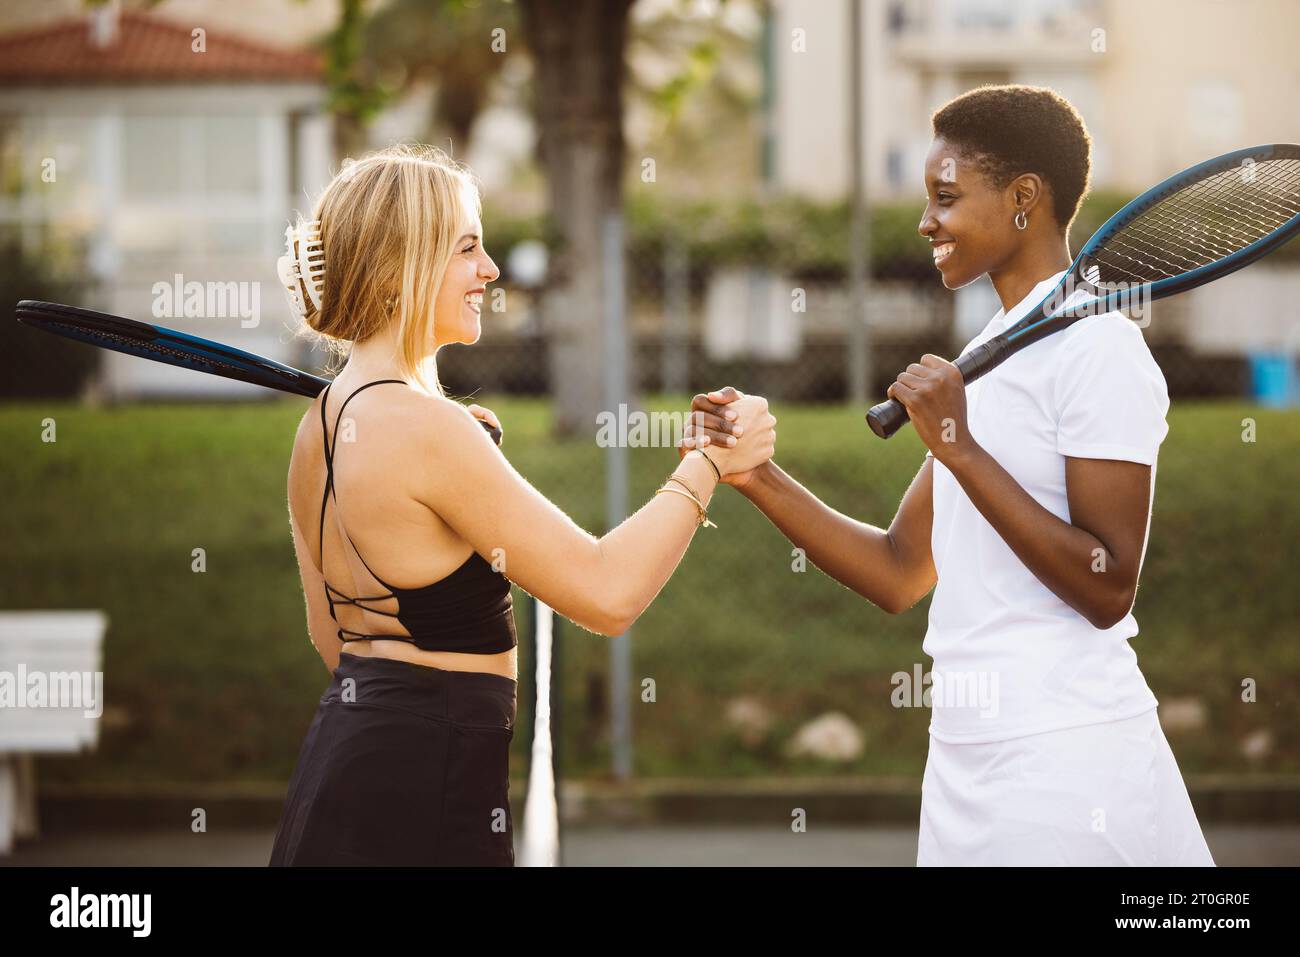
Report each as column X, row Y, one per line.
column 1011, row 658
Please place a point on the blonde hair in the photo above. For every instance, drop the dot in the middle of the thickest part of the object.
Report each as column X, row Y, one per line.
column 389, row 223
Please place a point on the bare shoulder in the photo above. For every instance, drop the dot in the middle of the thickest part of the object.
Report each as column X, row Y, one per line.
column 419, row 410
column 432, row 425
column 384, row 422
column 431, row 442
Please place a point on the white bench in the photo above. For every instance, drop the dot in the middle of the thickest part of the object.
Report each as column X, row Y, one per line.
column 55, row 647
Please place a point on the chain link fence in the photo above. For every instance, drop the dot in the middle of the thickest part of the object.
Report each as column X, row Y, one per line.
column 752, row 661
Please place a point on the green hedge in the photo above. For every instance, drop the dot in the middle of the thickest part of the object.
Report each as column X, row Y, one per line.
column 210, row 677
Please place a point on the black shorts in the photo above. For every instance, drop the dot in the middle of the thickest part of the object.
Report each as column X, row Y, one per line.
column 403, row 765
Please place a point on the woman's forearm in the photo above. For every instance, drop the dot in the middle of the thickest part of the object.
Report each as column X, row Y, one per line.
column 641, row 554
column 1065, row 558
column 860, row 556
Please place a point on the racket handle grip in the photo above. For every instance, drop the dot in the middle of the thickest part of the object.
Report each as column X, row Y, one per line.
column 888, row 417
column 983, row 358
column 491, row 430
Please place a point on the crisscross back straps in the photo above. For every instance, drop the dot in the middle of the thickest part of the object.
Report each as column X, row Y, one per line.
column 330, row 444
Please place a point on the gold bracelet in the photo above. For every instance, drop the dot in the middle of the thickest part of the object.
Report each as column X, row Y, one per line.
column 702, row 516
column 702, row 513
column 698, row 501
column 716, row 473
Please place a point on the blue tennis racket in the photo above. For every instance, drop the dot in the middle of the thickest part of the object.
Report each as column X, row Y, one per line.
column 1206, row 222
column 174, row 348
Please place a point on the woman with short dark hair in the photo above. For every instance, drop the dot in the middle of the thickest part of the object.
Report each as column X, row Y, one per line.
column 1030, row 513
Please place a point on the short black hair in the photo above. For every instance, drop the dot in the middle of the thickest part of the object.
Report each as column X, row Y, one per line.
column 1011, row 130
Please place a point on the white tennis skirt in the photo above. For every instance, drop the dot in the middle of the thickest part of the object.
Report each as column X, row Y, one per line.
column 1099, row 795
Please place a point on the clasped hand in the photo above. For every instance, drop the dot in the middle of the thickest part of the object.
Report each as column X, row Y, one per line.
column 737, row 430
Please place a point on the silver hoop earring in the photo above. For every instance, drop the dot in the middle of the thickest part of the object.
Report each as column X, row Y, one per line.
column 1021, row 220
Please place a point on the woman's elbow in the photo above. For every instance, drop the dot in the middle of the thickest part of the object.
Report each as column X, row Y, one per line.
column 605, row 620
column 1104, row 622
column 1108, row 621
column 607, row 625
column 901, row 599
column 622, row 613
column 888, row 605
column 617, row 627
column 602, row 611
column 1110, row 612
column 618, row 608
column 619, row 621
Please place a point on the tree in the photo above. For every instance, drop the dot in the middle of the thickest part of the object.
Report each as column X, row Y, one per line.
column 354, row 95
column 578, row 49
column 579, row 52
column 460, row 44
column 372, row 59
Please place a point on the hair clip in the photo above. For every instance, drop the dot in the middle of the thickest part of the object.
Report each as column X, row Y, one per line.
column 302, row 268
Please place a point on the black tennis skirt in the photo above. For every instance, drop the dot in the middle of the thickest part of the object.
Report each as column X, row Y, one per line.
column 403, row 765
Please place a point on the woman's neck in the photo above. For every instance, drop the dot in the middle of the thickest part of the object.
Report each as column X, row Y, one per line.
column 1034, row 262
column 376, row 358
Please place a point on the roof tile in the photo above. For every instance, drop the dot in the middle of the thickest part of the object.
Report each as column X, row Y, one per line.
column 146, row 49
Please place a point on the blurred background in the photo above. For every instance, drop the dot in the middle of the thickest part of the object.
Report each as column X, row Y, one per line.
column 681, row 195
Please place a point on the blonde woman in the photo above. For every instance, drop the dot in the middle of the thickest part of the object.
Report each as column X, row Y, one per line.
column 409, row 525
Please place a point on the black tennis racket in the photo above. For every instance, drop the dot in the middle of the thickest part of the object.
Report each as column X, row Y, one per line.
column 1204, row 223
column 174, row 348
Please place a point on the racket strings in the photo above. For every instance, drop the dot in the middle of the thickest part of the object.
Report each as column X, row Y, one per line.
column 1202, row 223
column 1256, row 210
column 1261, row 205
column 1205, row 222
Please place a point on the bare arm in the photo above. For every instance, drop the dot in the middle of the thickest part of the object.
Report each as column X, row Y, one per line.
column 603, row 583
column 891, row 568
column 1091, row 562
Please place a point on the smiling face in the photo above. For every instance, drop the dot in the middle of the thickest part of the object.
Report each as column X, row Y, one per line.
column 460, row 298
column 968, row 221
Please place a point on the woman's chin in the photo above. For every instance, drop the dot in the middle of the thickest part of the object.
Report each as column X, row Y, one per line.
column 465, row 337
column 955, row 279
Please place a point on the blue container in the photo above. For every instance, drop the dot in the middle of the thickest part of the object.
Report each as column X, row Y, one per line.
column 1272, row 379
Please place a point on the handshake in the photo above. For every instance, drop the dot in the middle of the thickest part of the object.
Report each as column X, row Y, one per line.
column 737, row 429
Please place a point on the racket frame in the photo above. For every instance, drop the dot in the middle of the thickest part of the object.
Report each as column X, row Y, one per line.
column 181, row 349
column 888, row 417
column 186, row 351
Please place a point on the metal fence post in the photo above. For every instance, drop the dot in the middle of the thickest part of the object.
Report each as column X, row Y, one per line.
column 616, row 471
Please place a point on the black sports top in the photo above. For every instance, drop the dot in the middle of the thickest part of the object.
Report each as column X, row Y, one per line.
column 468, row 611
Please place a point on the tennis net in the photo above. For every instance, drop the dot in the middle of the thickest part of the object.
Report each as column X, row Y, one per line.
column 540, row 845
